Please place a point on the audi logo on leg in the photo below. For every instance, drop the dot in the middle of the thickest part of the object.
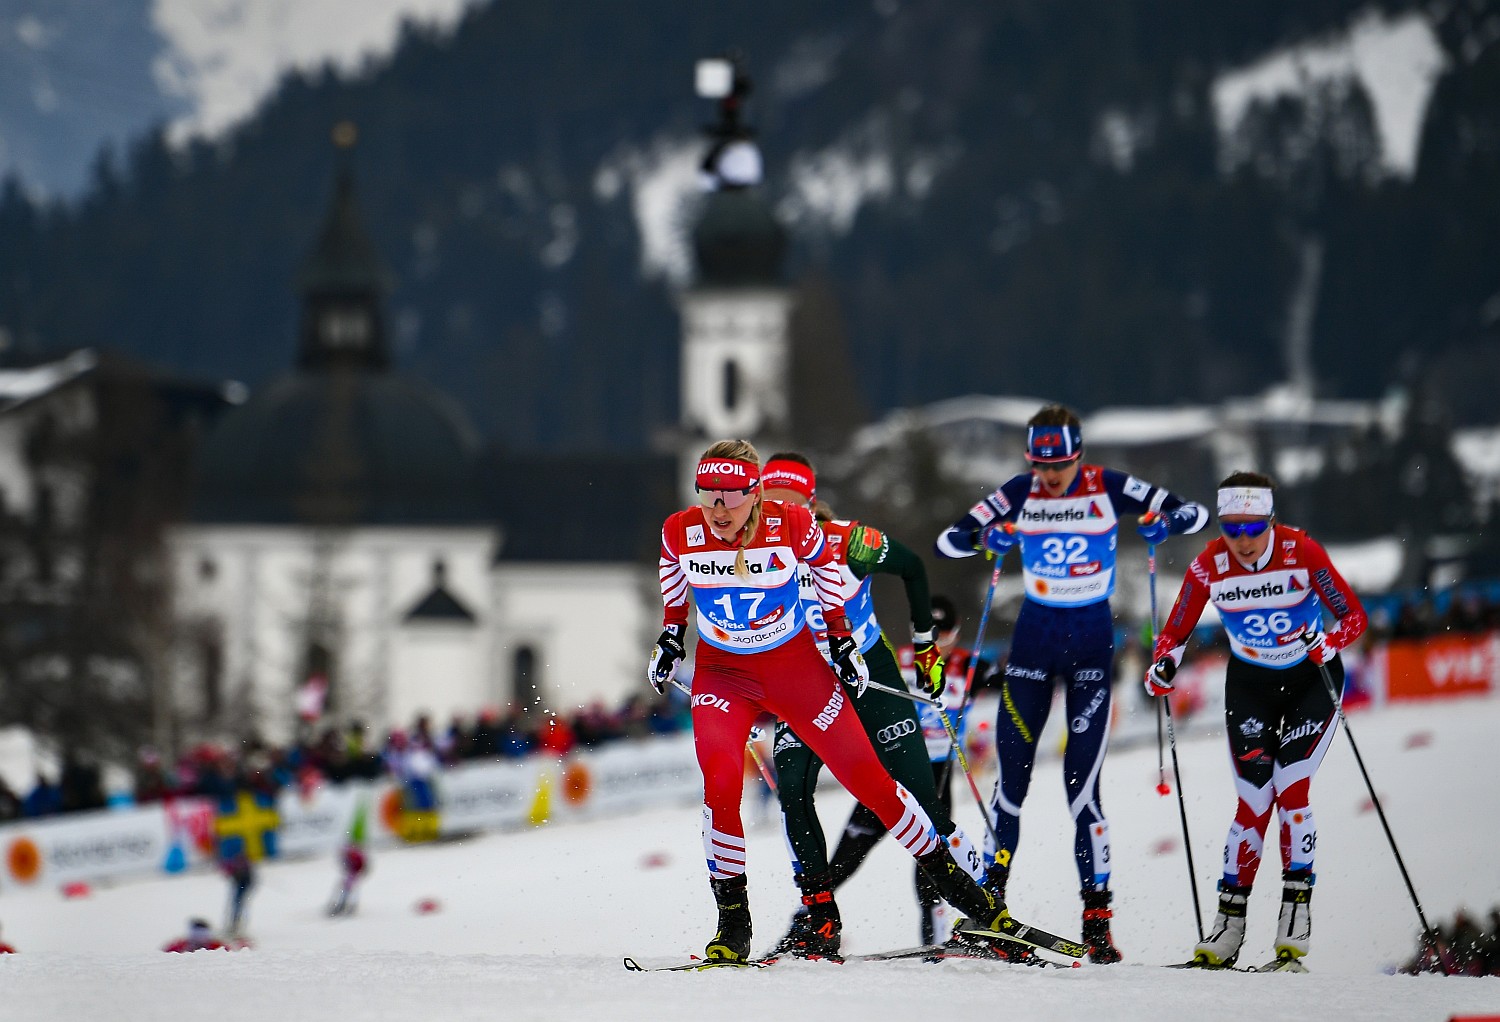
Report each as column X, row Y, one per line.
column 900, row 729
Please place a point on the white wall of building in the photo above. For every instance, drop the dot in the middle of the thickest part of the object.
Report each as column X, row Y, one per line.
column 590, row 626
column 255, row 585
column 442, row 670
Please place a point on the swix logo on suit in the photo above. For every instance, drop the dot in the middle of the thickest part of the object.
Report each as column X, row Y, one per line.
column 1068, row 543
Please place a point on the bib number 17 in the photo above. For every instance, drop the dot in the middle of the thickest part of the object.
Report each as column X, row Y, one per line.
column 727, row 603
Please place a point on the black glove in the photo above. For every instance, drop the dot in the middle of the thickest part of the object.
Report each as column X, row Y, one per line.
column 665, row 656
column 848, row 664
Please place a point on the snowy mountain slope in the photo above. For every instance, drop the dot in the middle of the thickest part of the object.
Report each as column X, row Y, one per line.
column 75, row 74
column 225, row 56
column 534, row 924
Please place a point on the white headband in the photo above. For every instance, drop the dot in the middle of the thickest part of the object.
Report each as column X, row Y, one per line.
column 1245, row 500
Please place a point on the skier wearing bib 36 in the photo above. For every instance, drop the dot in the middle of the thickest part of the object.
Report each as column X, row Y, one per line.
column 891, row 722
column 1065, row 516
column 1270, row 583
column 737, row 555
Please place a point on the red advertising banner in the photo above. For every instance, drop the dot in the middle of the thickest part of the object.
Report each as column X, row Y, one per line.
column 1440, row 666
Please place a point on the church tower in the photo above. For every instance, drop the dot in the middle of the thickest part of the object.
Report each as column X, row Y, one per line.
column 735, row 317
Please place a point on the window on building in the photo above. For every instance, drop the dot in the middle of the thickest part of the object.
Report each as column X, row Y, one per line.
column 527, row 690
column 318, row 689
column 211, row 670
column 731, row 384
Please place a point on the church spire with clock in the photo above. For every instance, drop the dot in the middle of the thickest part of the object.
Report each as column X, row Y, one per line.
column 735, row 317
column 343, row 283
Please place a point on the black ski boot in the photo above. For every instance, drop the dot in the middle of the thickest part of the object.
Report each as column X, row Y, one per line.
column 1096, row 917
column 816, row 929
column 797, row 935
column 732, row 942
column 995, row 879
column 959, row 889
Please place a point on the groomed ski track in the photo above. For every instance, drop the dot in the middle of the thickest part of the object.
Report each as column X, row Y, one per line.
column 533, row 925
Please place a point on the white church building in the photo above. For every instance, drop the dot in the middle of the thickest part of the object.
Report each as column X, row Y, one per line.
column 351, row 539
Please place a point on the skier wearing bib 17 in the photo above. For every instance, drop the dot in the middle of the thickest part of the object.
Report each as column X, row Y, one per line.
column 1270, row 583
column 1065, row 516
column 737, row 554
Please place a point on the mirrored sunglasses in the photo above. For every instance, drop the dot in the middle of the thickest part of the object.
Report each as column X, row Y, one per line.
column 1234, row 530
column 731, row 498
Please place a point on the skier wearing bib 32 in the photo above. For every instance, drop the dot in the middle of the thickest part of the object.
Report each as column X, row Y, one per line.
column 1269, row 583
column 890, row 721
column 1065, row 516
column 737, row 555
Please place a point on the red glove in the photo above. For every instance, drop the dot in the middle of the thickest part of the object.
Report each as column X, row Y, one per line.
column 1319, row 649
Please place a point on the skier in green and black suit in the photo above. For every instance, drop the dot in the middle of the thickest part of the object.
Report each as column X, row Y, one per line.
column 891, row 721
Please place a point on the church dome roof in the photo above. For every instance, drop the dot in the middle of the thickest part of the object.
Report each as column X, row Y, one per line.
column 737, row 241
column 342, row 448
column 342, row 440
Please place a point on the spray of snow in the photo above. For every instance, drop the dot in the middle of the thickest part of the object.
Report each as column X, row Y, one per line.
column 225, row 56
column 1397, row 62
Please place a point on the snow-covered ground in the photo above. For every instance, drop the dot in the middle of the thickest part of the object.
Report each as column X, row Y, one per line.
column 533, row 925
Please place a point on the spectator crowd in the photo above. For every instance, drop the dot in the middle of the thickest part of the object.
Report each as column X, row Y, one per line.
column 334, row 756
column 1461, row 948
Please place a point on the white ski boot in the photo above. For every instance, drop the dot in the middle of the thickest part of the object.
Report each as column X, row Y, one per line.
column 1294, row 925
column 1221, row 949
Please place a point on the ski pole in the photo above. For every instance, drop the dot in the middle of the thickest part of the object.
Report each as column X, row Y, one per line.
column 957, row 750
column 1166, row 705
column 963, row 764
column 1338, row 704
column 1162, row 788
column 1187, row 841
column 764, row 767
column 915, row 697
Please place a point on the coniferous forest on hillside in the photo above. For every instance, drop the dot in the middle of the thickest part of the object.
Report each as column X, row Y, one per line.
column 1044, row 208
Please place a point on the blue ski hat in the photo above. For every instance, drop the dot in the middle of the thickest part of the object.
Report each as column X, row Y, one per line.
column 1053, row 443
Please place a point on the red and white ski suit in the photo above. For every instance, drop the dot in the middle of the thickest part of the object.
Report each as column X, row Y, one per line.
column 755, row 656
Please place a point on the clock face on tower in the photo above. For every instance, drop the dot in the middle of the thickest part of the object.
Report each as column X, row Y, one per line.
column 344, row 329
